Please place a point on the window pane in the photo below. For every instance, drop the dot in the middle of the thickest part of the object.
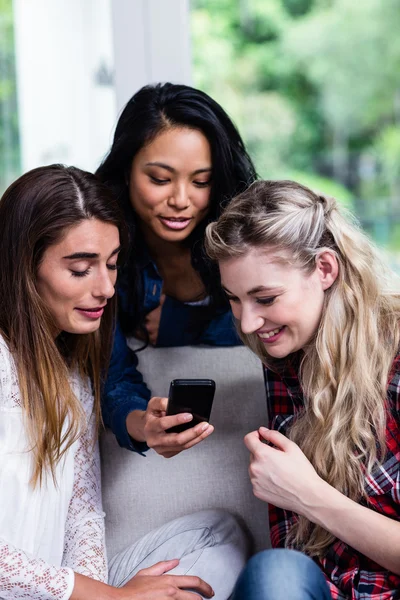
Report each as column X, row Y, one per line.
column 314, row 87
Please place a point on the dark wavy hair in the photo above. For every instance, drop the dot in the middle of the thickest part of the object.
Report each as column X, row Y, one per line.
column 36, row 211
column 153, row 109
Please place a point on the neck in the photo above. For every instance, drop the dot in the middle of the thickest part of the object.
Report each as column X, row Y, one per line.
column 161, row 250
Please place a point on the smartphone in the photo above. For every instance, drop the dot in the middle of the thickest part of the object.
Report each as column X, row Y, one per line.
column 194, row 396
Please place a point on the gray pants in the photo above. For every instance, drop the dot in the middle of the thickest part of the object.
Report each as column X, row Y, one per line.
column 209, row 544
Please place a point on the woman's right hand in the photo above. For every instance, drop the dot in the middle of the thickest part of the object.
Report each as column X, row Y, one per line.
column 148, row 584
column 153, row 584
column 150, row 426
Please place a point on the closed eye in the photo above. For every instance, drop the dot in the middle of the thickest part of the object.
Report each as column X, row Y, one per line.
column 113, row 267
column 158, row 181
column 80, row 273
column 266, row 301
column 202, row 184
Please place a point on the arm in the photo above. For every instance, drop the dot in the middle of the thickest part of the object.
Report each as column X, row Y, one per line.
column 183, row 325
column 125, row 393
column 282, row 475
column 24, row 577
column 84, row 544
column 138, row 423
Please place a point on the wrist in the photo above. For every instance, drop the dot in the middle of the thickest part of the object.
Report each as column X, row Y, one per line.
column 86, row 588
column 315, row 503
column 135, row 425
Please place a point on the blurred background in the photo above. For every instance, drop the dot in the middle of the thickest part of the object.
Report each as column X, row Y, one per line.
column 313, row 86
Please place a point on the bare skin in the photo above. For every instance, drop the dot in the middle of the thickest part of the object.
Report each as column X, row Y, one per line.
column 283, row 476
column 147, row 584
column 169, row 189
column 150, row 426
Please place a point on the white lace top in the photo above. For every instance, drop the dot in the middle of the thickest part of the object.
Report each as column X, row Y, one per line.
column 52, row 531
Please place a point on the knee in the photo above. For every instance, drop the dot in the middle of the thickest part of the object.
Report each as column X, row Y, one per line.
column 273, row 563
column 225, row 528
column 281, row 574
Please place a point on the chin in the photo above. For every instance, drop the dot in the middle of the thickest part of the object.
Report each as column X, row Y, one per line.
column 176, row 236
column 279, row 352
column 82, row 330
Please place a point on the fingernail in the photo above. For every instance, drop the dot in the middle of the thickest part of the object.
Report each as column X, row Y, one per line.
column 188, row 417
column 205, row 426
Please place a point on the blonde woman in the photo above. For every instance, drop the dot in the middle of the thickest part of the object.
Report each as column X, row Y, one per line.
column 60, row 238
column 313, row 301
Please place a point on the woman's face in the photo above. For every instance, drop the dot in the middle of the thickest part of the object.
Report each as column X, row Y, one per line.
column 77, row 275
column 170, row 183
column 278, row 302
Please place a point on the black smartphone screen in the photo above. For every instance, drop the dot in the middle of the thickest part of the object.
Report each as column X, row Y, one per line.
column 190, row 395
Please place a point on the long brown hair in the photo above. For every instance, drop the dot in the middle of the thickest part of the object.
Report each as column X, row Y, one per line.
column 345, row 369
column 35, row 212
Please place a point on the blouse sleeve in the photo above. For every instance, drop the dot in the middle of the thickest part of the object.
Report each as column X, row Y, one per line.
column 84, row 547
column 22, row 576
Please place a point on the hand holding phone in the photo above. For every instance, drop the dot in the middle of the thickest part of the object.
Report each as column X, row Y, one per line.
column 193, row 396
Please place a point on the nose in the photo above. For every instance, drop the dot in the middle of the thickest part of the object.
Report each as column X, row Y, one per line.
column 179, row 198
column 250, row 320
column 105, row 284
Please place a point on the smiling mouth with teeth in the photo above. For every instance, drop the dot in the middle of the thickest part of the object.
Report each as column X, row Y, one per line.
column 266, row 336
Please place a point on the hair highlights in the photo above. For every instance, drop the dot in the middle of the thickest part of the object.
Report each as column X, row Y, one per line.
column 35, row 212
column 344, row 371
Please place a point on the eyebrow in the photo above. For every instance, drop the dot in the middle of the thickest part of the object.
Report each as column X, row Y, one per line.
column 257, row 289
column 172, row 170
column 88, row 255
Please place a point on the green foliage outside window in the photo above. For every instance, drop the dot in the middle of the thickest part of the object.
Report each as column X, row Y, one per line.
column 9, row 137
column 314, row 87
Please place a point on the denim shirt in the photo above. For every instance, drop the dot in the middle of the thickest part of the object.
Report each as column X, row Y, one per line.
column 180, row 325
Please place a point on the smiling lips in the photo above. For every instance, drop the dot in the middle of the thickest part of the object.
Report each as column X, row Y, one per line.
column 176, row 223
column 91, row 313
column 270, row 336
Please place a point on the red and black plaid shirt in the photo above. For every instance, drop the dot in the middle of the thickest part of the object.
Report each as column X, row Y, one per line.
column 350, row 574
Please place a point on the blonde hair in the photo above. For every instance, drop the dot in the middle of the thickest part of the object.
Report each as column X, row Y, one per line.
column 345, row 369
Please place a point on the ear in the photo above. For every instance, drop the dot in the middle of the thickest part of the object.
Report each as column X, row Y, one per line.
column 327, row 267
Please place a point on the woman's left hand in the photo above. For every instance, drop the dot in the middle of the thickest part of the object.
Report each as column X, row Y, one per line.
column 280, row 474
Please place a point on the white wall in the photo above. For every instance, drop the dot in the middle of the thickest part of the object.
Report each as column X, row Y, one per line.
column 151, row 43
column 79, row 61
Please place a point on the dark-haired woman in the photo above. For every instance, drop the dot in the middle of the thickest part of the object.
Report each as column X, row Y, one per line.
column 60, row 237
column 175, row 160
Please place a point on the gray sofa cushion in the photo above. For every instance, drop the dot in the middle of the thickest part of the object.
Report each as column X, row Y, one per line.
column 141, row 493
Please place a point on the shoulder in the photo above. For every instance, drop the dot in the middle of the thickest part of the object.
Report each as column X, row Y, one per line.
column 83, row 390
column 6, row 358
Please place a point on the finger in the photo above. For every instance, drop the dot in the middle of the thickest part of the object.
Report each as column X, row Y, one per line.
column 173, row 443
column 186, row 437
column 172, row 420
column 191, row 582
column 169, row 452
column 157, row 404
column 252, row 441
column 276, row 438
column 160, row 568
column 162, row 299
column 204, row 434
column 186, row 595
